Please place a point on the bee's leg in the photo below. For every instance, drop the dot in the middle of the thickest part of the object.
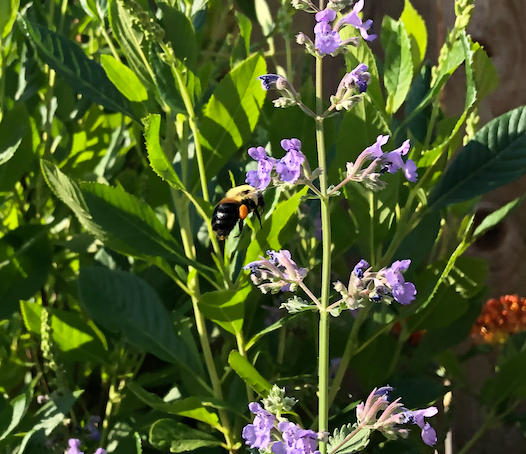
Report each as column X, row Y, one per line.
column 240, row 223
column 259, row 216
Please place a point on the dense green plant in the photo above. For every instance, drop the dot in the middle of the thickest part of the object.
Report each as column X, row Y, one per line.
column 128, row 325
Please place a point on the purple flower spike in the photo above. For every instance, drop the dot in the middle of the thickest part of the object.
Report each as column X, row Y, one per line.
column 429, row 435
column 327, row 40
column 257, row 434
column 269, row 81
column 295, row 440
column 289, row 167
column 74, row 446
column 404, row 293
column 260, row 178
column 364, row 27
column 327, row 15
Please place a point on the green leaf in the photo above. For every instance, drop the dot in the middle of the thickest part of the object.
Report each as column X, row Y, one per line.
column 12, row 414
column 122, row 302
column 231, row 114
column 8, row 10
column 494, row 157
column 25, row 263
column 485, row 73
column 124, row 79
column 130, row 41
column 179, row 31
column 398, row 68
column 420, row 88
column 275, row 326
column 245, row 29
column 226, row 308
column 191, row 407
column 494, row 218
column 73, row 336
column 84, row 75
column 339, row 445
column 158, row 159
column 248, row 373
column 417, row 32
column 178, row 437
column 53, row 412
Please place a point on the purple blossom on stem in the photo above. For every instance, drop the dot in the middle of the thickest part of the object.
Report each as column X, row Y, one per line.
column 296, row 440
column 279, row 270
column 393, row 161
column 257, row 434
column 289, row 167
column 74, row 446
column 260, row 178
column 93, row 427
column 100, row 451
column 327, row 40
column 390, row 417
column 354, row 19
column 269, row 81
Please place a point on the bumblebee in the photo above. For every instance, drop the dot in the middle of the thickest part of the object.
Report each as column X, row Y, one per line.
column 238, row 203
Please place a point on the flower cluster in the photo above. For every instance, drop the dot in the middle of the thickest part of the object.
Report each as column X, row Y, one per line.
column 380, row 163
column 292, row 168
column 387, row 285
column 74, row 447
column 327, row 37
column 351, row 88
column 279, row 270
column 499, row 319
column 271, row 432
column 380, row 414
column 289, row 96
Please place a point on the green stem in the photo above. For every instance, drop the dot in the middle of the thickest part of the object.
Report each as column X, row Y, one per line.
column 323, row 345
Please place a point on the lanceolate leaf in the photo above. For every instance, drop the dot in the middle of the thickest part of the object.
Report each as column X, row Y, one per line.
column 191, row 407
column 417, row 32
column 248, row 373
column 125, row 303
column 178, row 437
column 232, row 113
column 398, row 71
column 124, row 79
column 84, row 75
column 494, row 157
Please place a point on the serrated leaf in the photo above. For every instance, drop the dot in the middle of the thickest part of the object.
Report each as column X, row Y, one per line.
column 226, row 308
column 494, row 157
column 73, row 336
column 125, row 303
column 124, row 79
column 130, row 40
column 339, row 445
column 417, row 32
column 84, row 75
column 166, row 433
column 231, row 114
column 398, row 68
column 191, row 407
column 158, row 159
column 248, row 373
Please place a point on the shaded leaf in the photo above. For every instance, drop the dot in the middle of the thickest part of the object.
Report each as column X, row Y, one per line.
column 178, row 437
column 248, row 373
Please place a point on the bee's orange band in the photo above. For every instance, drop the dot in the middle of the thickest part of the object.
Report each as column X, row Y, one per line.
column 243, row 211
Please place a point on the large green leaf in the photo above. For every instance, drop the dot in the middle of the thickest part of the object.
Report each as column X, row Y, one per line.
column 398, row 69
column 74, row 337
column 178, row 437
column 8, row 10
column 191, row 407
column 130, row 40
column 248, row 373
column 231, row 114
column 159, row 162
column 84, row 75
column 417, row 32
column 125, row 303
column 179, row 31
column 494, row 157
column 25, row 263
column 124, row 79
column 225, row 307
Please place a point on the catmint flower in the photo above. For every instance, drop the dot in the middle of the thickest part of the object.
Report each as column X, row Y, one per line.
column 387, row 284
column 327, row 40
column 296, row 440
column 380, row 414
column 260, row 178
column 354, row 20
column 289, row 167
column 257, row 434
column 279, row 269
column 92, row 427
column 289, row 96
column 351, row 87
column 100, row 451
column 387, row 162
column 74, row 446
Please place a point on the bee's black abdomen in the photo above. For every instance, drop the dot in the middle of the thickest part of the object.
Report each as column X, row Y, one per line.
column 225, row 218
